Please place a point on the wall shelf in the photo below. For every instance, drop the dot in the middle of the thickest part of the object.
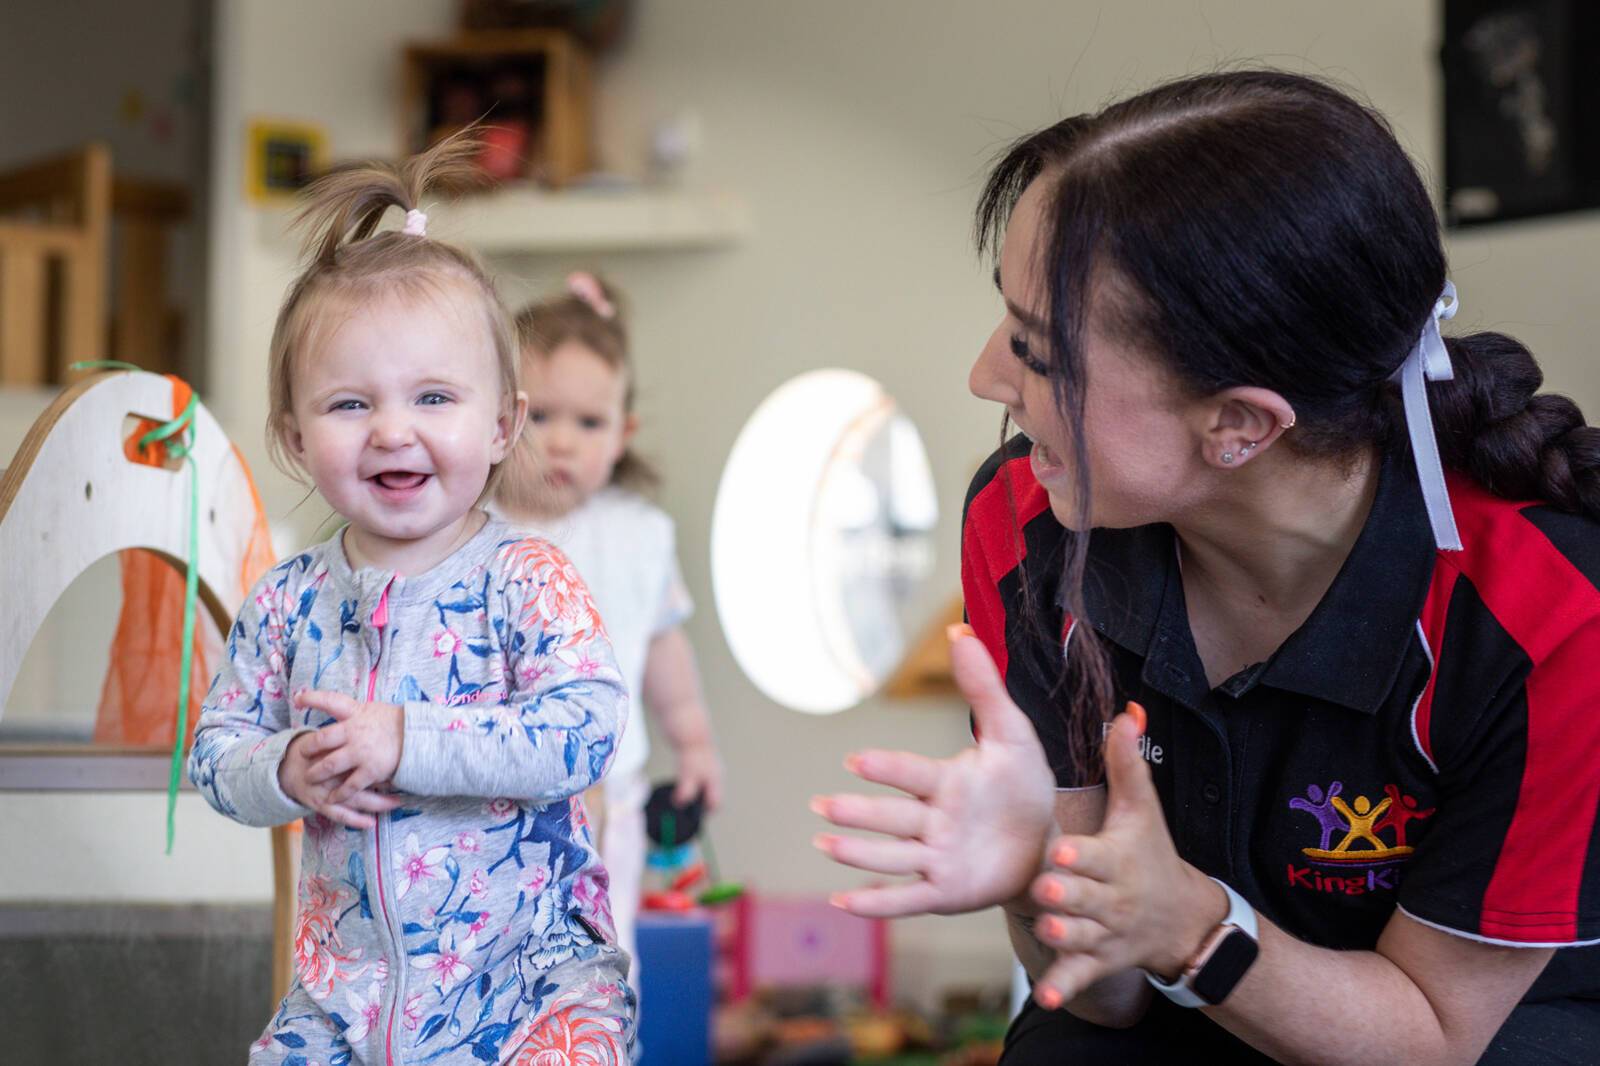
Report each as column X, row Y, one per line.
column 526, row 220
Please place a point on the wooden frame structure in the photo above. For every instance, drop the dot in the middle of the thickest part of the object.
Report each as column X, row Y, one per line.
column 566, row 90
column 56, row 220
column 69, row 497
column 54, row 264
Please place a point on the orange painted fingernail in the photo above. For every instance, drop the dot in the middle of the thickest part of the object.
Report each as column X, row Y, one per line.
column 1053, row 891
column 819, row 806
column 822, row 841
column 1048, row 997
column 852, row 763
column 1140, row 719
column 1053, row 927
column 1064, row 855
column 838, row 899
column 957, row 631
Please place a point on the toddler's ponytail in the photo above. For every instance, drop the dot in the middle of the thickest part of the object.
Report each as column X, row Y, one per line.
column 346, row 204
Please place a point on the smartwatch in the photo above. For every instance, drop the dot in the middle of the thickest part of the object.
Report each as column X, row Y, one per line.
column 1224, row 956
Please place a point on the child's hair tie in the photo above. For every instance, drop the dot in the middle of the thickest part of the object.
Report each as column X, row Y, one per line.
column 587, row 287
column 416, row 224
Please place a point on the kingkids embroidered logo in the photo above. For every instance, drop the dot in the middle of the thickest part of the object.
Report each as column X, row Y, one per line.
column 1369, row 859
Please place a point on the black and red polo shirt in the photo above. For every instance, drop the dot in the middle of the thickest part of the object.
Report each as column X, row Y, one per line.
column 1429, row 739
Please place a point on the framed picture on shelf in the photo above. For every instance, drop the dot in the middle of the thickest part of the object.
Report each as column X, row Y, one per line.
column 284, row 157
column 1522, row 113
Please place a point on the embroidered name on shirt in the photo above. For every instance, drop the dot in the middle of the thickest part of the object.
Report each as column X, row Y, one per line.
column 1361, row 848
column 1148, row 749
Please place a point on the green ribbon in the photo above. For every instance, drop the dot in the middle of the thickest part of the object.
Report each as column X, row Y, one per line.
column 178, row 435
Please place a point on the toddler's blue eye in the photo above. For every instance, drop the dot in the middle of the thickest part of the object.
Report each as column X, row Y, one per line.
column 347, row 405
column 591, row 423
column 433, row 399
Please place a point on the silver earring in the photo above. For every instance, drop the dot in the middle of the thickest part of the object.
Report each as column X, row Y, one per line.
column 1227, row 457
column 1249, row 447
column 1289, row 424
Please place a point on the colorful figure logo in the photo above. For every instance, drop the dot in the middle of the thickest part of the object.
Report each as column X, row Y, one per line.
column 1361, row 822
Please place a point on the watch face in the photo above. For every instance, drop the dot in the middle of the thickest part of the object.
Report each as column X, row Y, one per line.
column 1228, row 962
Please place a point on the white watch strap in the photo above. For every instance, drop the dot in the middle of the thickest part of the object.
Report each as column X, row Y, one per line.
column 1241, row 916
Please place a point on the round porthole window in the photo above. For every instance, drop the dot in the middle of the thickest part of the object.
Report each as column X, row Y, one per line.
column 823, row 528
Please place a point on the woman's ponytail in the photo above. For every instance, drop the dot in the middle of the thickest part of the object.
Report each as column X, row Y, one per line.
column 1494, row 425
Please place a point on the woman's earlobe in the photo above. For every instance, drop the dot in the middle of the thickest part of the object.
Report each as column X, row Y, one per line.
column 1230, row 457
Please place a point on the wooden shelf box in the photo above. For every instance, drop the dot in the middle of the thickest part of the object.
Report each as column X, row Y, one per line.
column 533, row 88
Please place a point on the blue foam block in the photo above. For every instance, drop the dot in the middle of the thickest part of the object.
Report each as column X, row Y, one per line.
column 674, row 990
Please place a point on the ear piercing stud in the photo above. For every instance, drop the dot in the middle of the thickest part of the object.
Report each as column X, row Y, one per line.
column 1227, row 457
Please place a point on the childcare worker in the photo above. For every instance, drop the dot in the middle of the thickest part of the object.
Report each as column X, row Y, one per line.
column 575, row 479
column 1342, row 574
column 429, row 690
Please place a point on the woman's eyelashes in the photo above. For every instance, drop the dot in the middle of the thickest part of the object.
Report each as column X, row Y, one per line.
column 1019, row 348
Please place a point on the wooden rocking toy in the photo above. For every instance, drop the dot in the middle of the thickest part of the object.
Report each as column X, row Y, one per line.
column 71, row 496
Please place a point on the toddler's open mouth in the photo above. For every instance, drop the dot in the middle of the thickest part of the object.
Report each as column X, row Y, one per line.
column 399, row 481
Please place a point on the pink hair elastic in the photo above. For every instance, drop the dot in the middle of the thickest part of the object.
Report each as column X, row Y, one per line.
column 416, row 224
column 587, row 287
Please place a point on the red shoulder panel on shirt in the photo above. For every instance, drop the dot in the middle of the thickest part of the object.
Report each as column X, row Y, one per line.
column 1545, row 604
column 992, row 546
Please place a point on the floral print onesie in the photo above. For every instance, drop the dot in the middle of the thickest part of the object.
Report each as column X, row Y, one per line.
column 472, row 925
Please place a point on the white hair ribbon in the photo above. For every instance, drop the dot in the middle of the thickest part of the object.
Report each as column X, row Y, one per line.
column 416, row 223
column 1430, row 361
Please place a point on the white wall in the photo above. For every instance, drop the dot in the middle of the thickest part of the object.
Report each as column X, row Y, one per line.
column 858, row 131
column 67, row 67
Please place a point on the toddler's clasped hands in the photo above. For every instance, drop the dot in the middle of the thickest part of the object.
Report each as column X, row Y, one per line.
column 337, row 770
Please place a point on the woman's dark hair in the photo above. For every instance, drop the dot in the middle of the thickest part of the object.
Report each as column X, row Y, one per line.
column 1264, row 228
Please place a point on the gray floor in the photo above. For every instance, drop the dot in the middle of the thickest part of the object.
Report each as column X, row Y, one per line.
column 180, row 985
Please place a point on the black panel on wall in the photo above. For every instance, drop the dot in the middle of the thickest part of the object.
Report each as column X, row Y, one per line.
column 1522, row 108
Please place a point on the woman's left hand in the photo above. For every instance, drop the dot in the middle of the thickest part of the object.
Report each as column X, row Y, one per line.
column 1122, row 898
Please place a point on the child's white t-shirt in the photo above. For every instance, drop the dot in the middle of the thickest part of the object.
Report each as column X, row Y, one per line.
column 625, row 549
